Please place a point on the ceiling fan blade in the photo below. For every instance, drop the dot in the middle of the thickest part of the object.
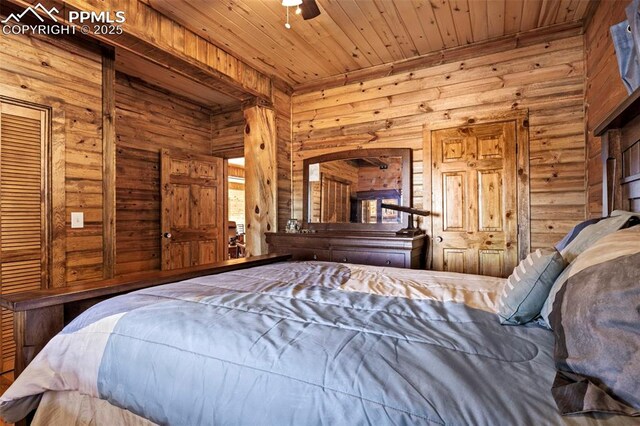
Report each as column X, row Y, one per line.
column 309, row 9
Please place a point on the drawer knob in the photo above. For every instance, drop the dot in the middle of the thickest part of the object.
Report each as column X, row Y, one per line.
column 388, row 262
column 315, row 256
column 344, row 259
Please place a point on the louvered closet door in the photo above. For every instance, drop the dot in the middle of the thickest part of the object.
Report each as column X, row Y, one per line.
column 23, row 257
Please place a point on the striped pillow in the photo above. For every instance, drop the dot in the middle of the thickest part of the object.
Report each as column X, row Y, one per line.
column 528, row 286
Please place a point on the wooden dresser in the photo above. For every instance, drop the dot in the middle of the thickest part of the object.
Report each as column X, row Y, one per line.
column 378, row 249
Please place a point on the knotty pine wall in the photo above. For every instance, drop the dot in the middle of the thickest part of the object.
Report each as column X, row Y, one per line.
column 546, row 78
column 148, row 119
column 604, row 90
column 67, row 77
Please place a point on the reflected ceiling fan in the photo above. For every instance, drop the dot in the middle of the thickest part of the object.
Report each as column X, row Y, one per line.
column 308, row 8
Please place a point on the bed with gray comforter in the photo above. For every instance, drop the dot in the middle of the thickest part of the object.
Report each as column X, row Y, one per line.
column 303, row 343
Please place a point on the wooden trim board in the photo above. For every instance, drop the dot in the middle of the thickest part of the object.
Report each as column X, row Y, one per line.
column 108, row 162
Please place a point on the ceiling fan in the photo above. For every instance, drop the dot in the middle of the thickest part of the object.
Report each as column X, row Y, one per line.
column 308, row 8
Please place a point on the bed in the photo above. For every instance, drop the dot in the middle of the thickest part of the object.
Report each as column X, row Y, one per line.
column 331, row 343
column 298, row 343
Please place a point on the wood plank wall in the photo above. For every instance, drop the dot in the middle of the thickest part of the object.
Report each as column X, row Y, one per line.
column 228, row 141
column 148, row 119
column 282, row 105
column 67, row 77
column 604, row 90
column 547, row 78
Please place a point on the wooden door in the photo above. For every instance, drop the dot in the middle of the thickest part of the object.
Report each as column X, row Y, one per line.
column 192, row 210
column 23, row 210
column 336, row 200
column 475, row 199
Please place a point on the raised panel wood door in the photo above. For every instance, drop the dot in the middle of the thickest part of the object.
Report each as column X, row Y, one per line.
column 192, row 210
column 475, row 199
column 23, row 210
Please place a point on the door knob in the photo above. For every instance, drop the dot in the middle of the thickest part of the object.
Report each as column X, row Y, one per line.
column 166, row 235
column 439, row 239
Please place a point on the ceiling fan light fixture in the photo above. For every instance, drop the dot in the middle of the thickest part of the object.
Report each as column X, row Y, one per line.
column 291, row 3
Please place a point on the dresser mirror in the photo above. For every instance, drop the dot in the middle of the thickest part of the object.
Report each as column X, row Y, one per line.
column 346, row 190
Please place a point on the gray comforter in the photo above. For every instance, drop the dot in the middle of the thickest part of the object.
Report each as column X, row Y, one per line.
column 286, row 344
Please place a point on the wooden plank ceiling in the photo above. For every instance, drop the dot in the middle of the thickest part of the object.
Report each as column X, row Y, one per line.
column 136, row 66
column 351, row 35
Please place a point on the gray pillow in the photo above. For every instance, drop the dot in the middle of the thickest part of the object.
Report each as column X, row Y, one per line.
column 585, row 239
column 528, row 286
column 596, row 321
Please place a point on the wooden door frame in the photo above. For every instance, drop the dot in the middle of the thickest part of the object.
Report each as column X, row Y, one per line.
column 523, row 197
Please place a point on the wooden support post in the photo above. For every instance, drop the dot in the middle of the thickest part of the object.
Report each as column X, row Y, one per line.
column 109, row 161
column 261, row 178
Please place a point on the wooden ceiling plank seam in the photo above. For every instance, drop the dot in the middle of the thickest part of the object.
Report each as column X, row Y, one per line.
column 357, row 41
column 495, row 17
column 478, row 13
column 381, row 28
column 581, row 9
column 513, row 16
column 429, row 25
column 317, row 60
column 462, row 21
column 391, row 16
column 444, row 18
column 548, row 12
column 530, row 17
column 409, row 16
column 566, row 10
column 360, row 22
column 329, row 36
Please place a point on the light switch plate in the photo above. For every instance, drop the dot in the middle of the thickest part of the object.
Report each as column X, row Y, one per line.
column 77, row 220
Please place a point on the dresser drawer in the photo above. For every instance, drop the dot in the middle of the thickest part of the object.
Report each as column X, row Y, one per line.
column 375, row 258
column 308, row 254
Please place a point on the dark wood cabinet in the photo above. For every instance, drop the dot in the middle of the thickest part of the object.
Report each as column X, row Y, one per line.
column 377, row 249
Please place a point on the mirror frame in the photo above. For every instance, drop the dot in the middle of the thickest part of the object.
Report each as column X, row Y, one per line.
column 407, row 184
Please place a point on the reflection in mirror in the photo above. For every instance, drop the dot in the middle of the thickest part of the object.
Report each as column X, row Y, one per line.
column 352, row 190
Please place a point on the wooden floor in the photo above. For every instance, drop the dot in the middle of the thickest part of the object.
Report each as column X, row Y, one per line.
column 5, row 382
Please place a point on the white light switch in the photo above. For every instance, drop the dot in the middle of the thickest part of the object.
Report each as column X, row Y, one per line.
column 77, row 220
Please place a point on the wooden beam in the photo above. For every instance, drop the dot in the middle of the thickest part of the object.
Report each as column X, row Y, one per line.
column 157, row 38
column 499, row 44
column 108, row 162
column 261, row 177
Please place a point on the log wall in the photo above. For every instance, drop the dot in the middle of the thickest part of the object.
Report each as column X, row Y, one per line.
column 546, row 78
column 148, row 119
column 604, row 90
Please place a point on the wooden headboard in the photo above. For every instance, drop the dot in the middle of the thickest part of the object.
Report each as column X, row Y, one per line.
column 620, row 136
